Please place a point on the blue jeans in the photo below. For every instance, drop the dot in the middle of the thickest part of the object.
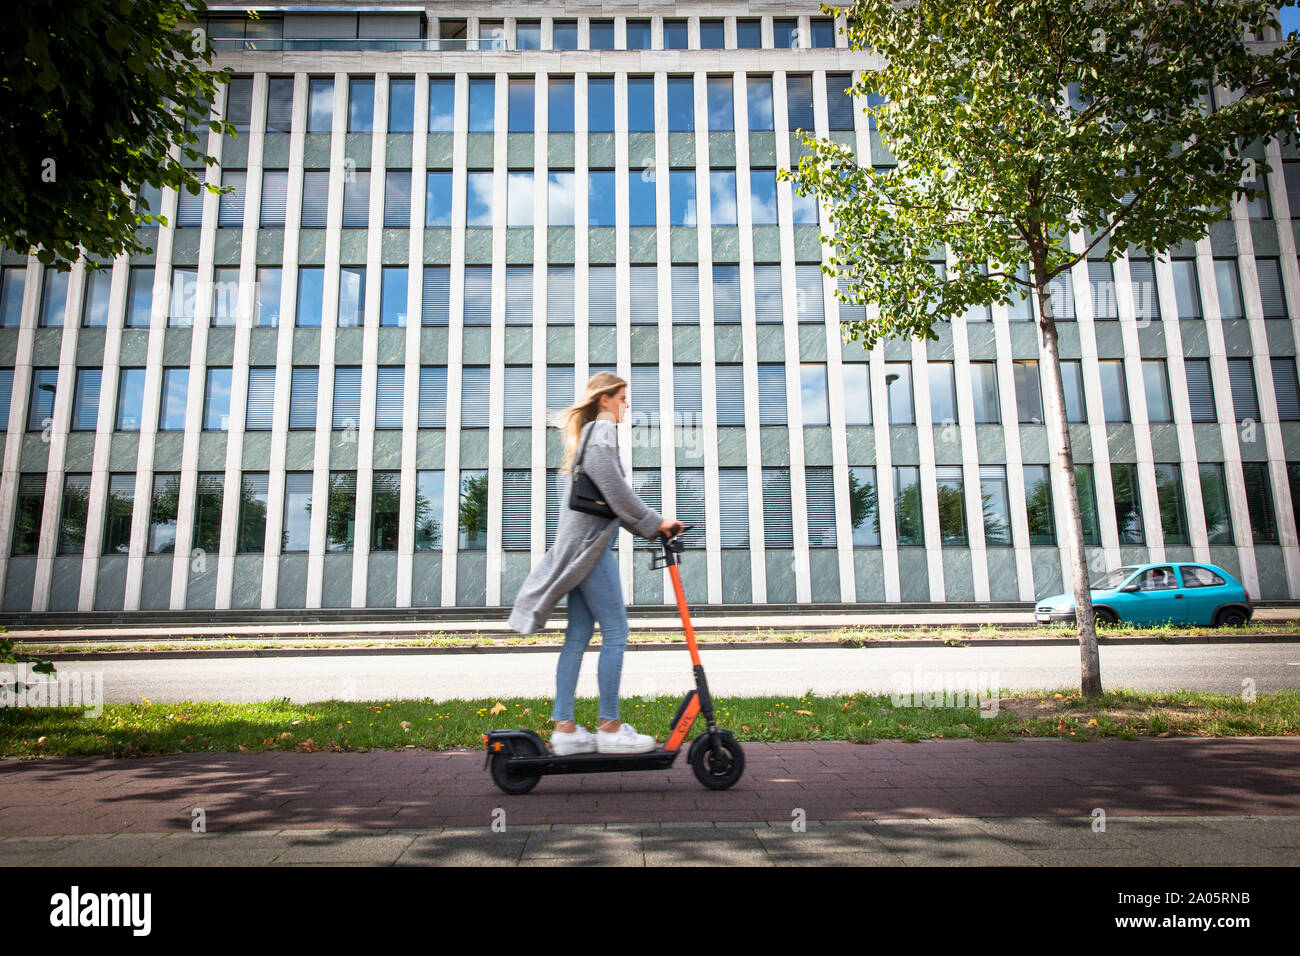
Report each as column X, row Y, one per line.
column 599, row 598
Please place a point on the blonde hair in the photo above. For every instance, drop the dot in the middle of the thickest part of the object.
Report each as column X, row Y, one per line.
column 572, row 419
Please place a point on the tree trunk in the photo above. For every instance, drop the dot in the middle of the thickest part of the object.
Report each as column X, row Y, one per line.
column 1090, row 669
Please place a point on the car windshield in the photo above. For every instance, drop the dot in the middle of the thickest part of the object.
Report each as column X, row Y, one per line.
column 1112, row 580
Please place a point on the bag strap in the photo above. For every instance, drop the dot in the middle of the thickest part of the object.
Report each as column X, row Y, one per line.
column 577, row 461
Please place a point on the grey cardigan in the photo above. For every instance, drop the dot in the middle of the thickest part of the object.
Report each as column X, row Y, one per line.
column 581, row 539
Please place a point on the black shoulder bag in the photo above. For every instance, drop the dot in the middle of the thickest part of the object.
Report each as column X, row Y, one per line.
column 584, row 495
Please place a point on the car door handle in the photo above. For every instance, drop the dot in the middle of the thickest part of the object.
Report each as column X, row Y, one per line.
column 1179, row 596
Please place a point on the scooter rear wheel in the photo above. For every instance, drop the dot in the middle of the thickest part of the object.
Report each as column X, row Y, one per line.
column 507, row 779
column 718, row 771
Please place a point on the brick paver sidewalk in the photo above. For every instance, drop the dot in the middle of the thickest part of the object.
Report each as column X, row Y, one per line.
column 835, row 781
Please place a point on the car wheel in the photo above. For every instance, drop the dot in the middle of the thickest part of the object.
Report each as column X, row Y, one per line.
column 1231, row 617
column 1105, row 616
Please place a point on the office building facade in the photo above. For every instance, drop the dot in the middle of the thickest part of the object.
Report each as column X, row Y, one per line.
column 330, row 386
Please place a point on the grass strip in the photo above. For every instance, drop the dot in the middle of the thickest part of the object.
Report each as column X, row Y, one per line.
column 146, row 728
column 847, row 636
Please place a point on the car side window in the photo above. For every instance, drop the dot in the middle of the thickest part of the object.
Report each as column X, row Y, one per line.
column 1194, row 577
column 1157, row 579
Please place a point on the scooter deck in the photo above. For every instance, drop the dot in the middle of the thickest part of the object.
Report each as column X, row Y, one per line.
column 594, row 762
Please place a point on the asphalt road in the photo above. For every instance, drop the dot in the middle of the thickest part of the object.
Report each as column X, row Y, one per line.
column 648, row 673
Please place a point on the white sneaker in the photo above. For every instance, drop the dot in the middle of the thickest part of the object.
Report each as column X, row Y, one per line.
column 581, row 741
column 625, row 740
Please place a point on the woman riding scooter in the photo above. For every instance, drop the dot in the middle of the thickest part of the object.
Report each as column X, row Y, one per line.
column 580, row 565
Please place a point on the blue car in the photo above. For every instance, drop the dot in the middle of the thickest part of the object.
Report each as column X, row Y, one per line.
column 1175, row 593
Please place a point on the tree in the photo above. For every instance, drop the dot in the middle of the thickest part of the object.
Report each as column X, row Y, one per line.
column 97, row 93
column 1048, row 131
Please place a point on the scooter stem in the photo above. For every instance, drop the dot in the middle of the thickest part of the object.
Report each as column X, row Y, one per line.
column 685, row 613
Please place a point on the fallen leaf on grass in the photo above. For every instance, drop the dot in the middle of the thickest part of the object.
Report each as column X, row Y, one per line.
column 807, row 712
column 497, row 708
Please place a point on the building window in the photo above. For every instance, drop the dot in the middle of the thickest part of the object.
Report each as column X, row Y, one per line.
column 812, row 392
column 730, row 391
column 279, row 104
column 645, row 396
column 433, row 397
column 857, row 393
column 1128, row 503
column 519, row 199
column 601, row 295
column 984, row 388
column 758, row 93
column 347, row 397
column 94, row 309
column 641, row 199
column 216, row 400
column 1038, row 505
column 302, row 397
column 361, row 104
column 175, row 391
column 1286, row 389
column 1272, row 296
column 478, row 198
column 85, row 399
column 559, row 108
column 687, row 398
column 311, row 296
column 996, row 503
column 601, row 36
column 297, row 511
column 1146, row 298
column 560, row 194
column 54, row 298
column 1101, row 279
column 907, row 505
column 184, row 295
column 819, row 486
column 809, row 304
column 769, row 306
column 392, row 299
column 681, row 104
column 640, row 104
column 208, row 493
column 690, row 505
column 676, row 36
column 442, row 104
column 898, row 391
column 1229, row 286
column 520, row 105
column 762, row 197
column 721, row 101
column 341, row 513
column 261, row 398
column 1114, row 390
column 686, row 295
column 681, row 197
column 352, row 296
column 749, row 34
column 473, row 509
column 478, row 295
column 839, row 102
column 1245, row 400
column 397, row 199
column 27, row 513
column 943, row 393
column 11, row 297
column 785, row 33
column 437, row 199
column 320, row 104
column 518, row 411
column 474, row 396
column 253, row 492
column 268, row 297
column 428, row 510
column 638, row 34
column 225, row 298
column 799, row 101
column 401, row 105
column 385, row 510
column 72, row 520
column 1214, row 496
column 778, row 523
column 1200, row 391
column 389, row 381
column 130, row 399
column 952, row 504
column 230, row 205
column 435, row 305
column 1156, row 380
column 162, row 513
column 1087, row 490
column 600, row 199
column 1187, row 291
column 1029, row 400
column 482, row 104
column 6, row 396
column 1259, row 502
column 315, row 199
column 559, row 295
column 1260, row 207
column 600, row 104
column 644, row 295
column 139, row 298
column 117, row 521
column 516, row 509
column 864, row 516
column 356, row 200
column 1169, row 492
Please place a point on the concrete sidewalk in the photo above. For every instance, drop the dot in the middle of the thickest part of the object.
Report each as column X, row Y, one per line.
column 1166, row 801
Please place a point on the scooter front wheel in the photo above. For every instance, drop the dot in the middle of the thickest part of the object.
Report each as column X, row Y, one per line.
column 507, row 779
column 717, row 771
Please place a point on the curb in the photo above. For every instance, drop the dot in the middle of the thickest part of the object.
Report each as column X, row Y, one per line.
column 327, row 651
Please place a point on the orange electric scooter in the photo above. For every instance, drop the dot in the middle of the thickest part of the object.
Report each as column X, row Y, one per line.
column 520, row 758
